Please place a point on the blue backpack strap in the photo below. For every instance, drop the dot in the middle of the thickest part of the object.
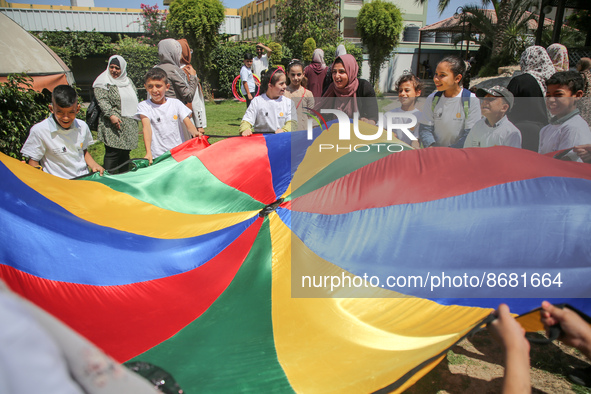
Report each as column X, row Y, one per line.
column 436, row 100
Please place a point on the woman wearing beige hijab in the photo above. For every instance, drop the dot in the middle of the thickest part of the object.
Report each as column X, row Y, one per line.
column 198, row 103
column 181, row 87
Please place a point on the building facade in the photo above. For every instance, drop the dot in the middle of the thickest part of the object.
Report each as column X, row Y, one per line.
column 259, row 19
column 83, row 16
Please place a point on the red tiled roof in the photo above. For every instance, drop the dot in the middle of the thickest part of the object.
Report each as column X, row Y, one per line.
column 454, row 23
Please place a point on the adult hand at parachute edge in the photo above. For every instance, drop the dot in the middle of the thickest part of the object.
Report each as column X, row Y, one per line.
column 149, row 157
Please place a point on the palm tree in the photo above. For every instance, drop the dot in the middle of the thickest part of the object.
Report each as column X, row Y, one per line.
column 503, row 18
column 502, row 10
column 517, row 23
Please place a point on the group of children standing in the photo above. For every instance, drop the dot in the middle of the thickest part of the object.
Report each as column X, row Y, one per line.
column 59, row 144
column 451, row 116
column 282, row 103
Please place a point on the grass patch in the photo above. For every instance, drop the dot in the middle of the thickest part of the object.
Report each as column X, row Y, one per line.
column 456, row 359
column 222, row 119
column 580, row 389
column 97, row 150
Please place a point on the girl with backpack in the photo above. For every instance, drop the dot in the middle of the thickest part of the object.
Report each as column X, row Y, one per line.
column 451, row 111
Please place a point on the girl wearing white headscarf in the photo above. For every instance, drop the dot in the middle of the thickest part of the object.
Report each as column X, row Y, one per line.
column 182, row 88
column 117, row 98
column 529, row 113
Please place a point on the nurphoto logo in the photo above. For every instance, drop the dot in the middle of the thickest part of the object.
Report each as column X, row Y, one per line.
column 393, row 121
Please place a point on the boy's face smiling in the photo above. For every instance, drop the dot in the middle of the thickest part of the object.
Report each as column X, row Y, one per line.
column 65, row 116
column 560, row 100
column 407, row 94
column 493, row 107
column 157, row 90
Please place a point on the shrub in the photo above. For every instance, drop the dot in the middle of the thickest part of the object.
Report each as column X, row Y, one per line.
column 227, row 60
column 277, row 55
column 308, row 50
column 154, row 22
column 20, row 108
column 287, row 55
column 199, row 22
column 67, row 44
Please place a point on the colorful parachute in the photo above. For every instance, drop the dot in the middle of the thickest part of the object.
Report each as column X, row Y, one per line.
column 208, row 262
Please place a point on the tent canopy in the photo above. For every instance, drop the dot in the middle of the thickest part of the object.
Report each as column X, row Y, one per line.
column 22, row 52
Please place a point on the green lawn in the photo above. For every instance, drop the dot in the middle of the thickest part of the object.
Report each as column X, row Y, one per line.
column 222, row 119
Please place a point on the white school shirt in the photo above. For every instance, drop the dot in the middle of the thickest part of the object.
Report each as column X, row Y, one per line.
column 563, row 133
column 448, row 117
column 402, row 119
column 166, row 121
column 246, row 75
column 267, row 115
column 59, row 151
column 502, row 133
column 260, row 65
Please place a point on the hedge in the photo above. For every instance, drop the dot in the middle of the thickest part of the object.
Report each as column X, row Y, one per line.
column 20, row 108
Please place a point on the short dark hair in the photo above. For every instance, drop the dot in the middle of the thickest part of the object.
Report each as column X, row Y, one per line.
column 157, row 74
column 584, row 63
column 64, row 96
column 248, row 56
column 416, row 82
column 271, row 76
column 572, row 79
column 457, row 65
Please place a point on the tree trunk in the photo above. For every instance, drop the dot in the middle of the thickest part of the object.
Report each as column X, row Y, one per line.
column 503, row 15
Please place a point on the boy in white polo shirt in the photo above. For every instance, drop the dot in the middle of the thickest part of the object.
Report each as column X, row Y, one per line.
column 495, row 128
column 59, row 144
column 161, row 117
column 567, row 128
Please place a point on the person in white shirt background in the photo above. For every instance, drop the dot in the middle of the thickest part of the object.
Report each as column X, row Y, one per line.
column 260, row 62
column 247, row 82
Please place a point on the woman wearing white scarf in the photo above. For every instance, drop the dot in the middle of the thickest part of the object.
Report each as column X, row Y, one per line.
column 117, row 98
